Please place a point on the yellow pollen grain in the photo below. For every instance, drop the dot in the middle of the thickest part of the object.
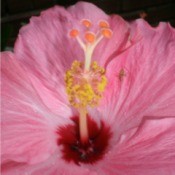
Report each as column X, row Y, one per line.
column 102, row 84
column 85, row 88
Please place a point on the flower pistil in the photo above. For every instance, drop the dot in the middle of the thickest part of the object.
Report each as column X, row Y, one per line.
column 86, row 81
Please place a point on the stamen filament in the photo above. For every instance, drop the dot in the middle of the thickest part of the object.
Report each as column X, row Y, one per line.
column 83, row 127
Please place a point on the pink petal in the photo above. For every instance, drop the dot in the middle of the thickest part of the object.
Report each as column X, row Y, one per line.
column 147, row 88
column 47, row 51
column 51, row 166
column 43, row 46
column 28, row 127
column 55, row 99
column 85, row 10
column 108, row 49
column 151, row 150
column 32, row 94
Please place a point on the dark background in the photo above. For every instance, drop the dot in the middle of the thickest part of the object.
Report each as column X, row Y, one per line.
column 16, row 13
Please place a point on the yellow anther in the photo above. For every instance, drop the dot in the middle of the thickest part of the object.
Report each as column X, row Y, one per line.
column 85, row 88
column 102, row 84
column 94, row 65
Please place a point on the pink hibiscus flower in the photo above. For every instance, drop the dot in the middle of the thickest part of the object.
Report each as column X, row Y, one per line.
column 85, row 93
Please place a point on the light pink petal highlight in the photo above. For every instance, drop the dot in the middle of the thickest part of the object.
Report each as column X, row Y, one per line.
column 108, row 49
column 147, row 85
column 28, row 127
column 43, row 47
column 151, row 150
column 52, row 166
column 85, row 10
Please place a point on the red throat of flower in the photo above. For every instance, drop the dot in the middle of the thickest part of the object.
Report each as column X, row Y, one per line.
column 86, row 81
column 76, row 151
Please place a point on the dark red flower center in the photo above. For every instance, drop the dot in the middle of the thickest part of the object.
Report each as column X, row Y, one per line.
column 93, row 150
